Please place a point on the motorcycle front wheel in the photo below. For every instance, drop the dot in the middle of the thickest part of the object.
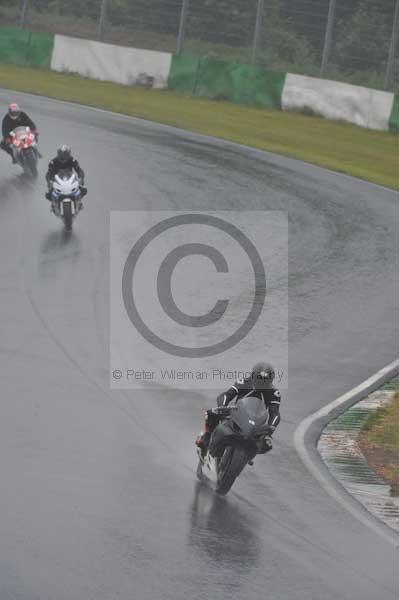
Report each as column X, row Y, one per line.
column 231, row 464
column 67, row 216
column 30, row 165
column 200, row 475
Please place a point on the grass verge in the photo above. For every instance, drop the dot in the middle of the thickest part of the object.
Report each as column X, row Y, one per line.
column 338, row 146
column 379, row 441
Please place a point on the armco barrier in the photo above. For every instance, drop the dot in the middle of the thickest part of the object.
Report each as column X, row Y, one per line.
column 25, row 48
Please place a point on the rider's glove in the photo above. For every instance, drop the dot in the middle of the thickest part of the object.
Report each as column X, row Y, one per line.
column 265, row 445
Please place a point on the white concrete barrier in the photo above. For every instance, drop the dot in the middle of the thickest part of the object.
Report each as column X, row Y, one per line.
column 338, row 101
column 132, row 66
column 106, row 62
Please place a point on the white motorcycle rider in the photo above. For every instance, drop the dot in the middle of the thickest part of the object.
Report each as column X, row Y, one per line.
column 65, row 180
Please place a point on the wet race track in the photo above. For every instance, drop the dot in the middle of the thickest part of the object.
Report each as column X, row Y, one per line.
column 98, row 493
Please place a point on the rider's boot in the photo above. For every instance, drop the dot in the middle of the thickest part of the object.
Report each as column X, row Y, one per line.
column 202, row 443
column 83, row 191
column 11, row 153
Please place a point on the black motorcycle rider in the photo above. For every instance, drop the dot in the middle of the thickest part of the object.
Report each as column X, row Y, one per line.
column 258, row 384
column 13, row 119
column 64, row 161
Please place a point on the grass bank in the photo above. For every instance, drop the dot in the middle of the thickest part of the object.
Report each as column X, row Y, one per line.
column 379, row 441
column 341, row 147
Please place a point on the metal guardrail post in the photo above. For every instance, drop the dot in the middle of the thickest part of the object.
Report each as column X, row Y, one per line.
column 392, row 48
column 328, row 37
column 182, row 27
column 103, row 19
column 258, row 30
column 24, row 14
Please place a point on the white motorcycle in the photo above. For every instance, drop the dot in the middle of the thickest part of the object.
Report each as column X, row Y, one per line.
column 66, row 197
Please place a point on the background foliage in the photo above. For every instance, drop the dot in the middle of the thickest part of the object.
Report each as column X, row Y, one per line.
column 292, row 35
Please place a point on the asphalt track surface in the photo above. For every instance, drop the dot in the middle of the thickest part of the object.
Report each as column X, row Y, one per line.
column 98, row 493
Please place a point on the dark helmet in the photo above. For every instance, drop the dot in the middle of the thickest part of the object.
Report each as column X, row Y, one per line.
column 262, row 375
column 14, row 111
column 64, row 153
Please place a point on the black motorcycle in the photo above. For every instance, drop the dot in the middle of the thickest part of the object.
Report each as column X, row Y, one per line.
column 235, row 442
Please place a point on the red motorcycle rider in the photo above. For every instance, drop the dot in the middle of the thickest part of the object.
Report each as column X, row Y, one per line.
column 13, row 119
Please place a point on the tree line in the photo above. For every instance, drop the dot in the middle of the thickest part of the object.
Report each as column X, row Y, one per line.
column 292, row 31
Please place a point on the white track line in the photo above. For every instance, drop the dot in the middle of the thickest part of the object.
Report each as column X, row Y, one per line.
column 319, row 420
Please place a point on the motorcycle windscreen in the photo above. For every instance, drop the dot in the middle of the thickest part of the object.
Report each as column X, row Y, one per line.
column 250, row 415
column 66, row 183
column 20, row 133
column 65, row 174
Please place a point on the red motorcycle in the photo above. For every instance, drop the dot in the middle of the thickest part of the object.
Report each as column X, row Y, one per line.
column 24, row 147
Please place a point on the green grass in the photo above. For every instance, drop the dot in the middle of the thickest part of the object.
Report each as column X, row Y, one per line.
column 374, row 420
column 338, row 146
column 382, row 427
column 379, row 440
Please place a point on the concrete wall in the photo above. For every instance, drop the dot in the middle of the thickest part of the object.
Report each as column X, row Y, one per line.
column 339, row 101
column 128, row 66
